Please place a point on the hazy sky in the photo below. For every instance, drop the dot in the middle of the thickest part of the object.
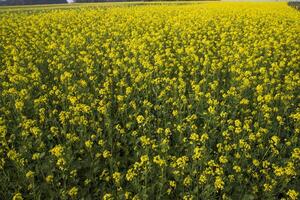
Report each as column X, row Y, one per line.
column 70, row 1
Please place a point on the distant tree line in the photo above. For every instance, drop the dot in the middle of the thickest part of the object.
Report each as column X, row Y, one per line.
column 90, row 1
column 30, row 2
column 294, row 4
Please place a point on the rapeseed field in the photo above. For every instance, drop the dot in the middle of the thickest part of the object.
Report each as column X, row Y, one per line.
column 193, row 101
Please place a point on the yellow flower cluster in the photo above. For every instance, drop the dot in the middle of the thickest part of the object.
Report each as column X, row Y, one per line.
column 162, row 101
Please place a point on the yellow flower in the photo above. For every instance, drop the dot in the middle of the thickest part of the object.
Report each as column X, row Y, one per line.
column 57, row 150
column 202, row 179
column 237, row 169
column 296, row 154
column 244, row 101
column 157, row 160
column 128, row 90
column 204, row 137
column 231, row 178
column 140, row 119
column 290, row 169
column 12, row 154
column 223, row 159
column 73, row 192
column 267, row 187
column 280, row 120
column 73, row 173
column 127, row 195
column 293, row 195
column 101, row 143
column 181, row 162
column 237, row 123
column 117, row 177
column 30, row 174
column 35, row 156
column 279, row 171
column 219, row 183
column 61, row 163
column 175, row 113
column 130, row 175
column 144, row 158
column 169, row 191
column 194, row 137
column 88, row 144
column 17, row 196
column 275, row 140
column 197, row 153
column 108, row 196
column 49, row 179
column 106, row 154
column 172, row 184
column 187, row 197
column 167, row 132
column 145, row 140
column 237, row 155
column 255, row 162
column 87, row 181
column 187, row 181
column 259, row 89
column 19, row 105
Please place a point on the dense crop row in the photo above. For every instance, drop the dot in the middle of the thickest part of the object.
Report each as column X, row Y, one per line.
column 150, row 102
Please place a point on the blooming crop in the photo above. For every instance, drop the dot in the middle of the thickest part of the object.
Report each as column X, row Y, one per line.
column 168, row 101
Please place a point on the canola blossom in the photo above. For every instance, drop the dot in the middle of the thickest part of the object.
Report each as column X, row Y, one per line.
column 187, row 101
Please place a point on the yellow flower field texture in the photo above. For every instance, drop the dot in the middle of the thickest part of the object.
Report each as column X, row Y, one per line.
column 150, row 101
